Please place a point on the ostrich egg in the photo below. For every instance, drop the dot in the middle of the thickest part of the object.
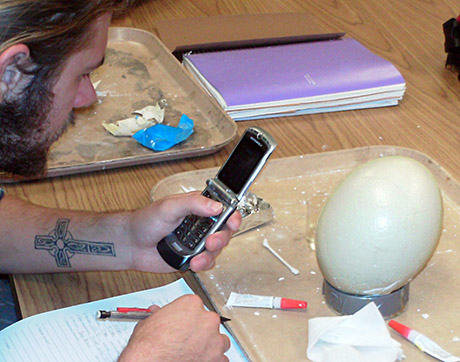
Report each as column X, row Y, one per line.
column 380, row 226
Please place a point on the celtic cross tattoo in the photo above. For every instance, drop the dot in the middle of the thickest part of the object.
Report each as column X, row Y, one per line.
column 62, row 246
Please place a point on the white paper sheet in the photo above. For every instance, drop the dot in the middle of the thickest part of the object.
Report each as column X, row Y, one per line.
column 360, row 337
column 74, row 333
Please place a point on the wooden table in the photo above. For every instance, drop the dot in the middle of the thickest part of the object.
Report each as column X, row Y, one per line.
column 407, row 33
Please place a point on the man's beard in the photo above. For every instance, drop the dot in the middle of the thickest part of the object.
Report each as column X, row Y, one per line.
column 24, row 132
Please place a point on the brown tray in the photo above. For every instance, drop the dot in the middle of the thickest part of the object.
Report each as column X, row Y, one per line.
column 297, row 187
column 138, row 71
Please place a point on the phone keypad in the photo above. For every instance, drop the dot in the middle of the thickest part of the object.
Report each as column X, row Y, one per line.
column 193, row 229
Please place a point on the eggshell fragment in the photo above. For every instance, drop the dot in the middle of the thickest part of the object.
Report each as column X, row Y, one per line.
column 380, row 226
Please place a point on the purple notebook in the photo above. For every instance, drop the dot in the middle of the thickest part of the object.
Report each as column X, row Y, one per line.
column 294, row 71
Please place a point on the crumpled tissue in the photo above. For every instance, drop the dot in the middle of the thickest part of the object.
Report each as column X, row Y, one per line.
column 161, row 137
column 361, row 337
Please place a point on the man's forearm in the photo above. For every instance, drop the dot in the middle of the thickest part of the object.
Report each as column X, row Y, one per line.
column 35, row 239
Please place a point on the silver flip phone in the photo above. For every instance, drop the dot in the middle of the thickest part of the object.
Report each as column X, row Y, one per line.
column 228, row 187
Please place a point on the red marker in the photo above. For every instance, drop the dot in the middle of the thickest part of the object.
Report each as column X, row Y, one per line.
column 423, row 342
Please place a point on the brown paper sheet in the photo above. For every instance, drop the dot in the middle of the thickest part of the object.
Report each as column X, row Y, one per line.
column 235, row 31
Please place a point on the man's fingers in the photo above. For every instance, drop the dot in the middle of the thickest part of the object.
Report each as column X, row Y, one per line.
column 153, row 308
column 227, row 343
column 203, row 261
column 234, row 222
column 181, row 205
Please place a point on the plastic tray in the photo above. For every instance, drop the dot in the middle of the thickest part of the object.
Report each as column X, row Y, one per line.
column 297, row 187
column 138, row 71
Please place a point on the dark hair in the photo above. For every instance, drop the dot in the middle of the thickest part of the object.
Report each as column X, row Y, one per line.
column 52, row 29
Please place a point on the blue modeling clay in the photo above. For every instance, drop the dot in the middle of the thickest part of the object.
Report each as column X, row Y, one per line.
column 160, row 137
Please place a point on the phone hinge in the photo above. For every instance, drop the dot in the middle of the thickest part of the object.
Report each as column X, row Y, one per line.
column 224, row 192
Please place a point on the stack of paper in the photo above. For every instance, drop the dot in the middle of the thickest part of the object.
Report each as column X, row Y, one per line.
column 300, row 78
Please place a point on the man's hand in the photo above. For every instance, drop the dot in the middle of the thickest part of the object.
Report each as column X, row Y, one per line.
column 152, row 223
column 180, row 331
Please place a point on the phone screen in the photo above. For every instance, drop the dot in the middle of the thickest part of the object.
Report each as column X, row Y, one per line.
column 242, row 162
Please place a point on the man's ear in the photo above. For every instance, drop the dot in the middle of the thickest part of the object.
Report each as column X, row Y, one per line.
column 11, row 76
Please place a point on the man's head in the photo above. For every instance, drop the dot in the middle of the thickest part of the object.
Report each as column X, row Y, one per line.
column 47, row 50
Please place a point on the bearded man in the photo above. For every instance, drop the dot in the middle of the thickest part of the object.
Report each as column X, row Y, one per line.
column 48, row 50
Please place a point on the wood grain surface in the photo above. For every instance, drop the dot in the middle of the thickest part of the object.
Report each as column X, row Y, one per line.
column 407, row 33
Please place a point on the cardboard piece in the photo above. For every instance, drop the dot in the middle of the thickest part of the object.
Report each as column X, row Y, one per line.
column 236, row 31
